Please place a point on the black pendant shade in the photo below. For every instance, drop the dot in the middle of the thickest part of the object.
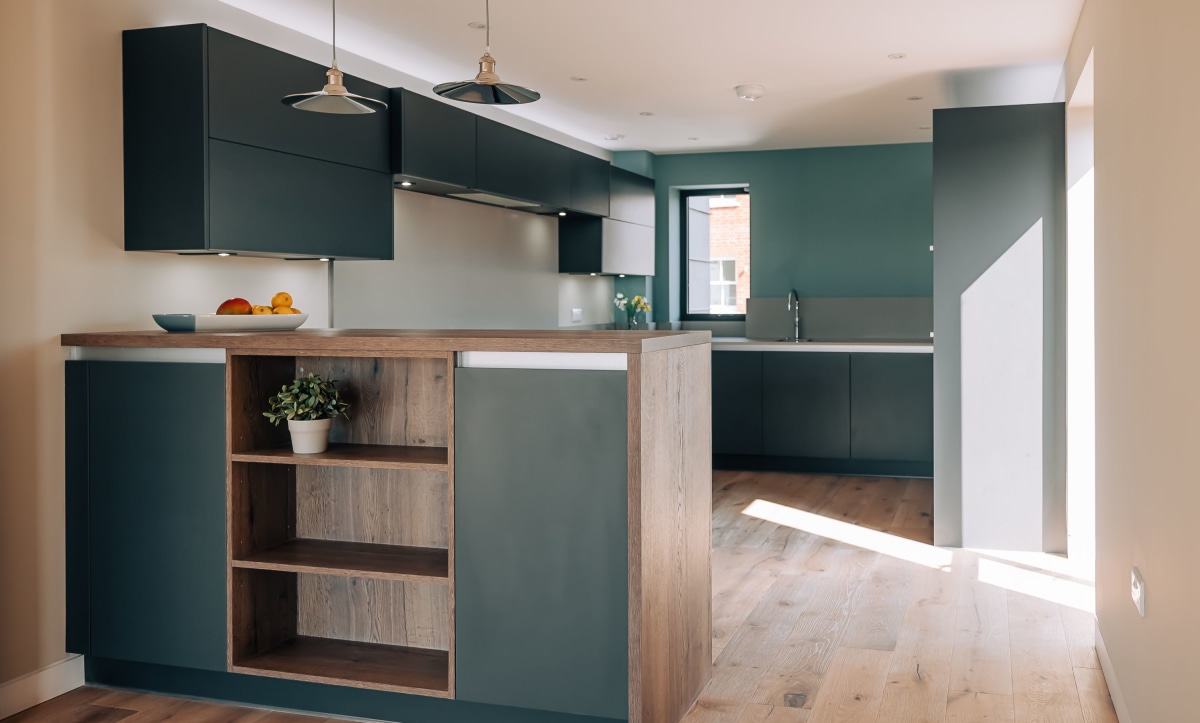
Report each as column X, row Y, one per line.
column 486, row 87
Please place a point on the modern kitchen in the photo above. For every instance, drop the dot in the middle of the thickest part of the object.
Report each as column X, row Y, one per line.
column 589, row 394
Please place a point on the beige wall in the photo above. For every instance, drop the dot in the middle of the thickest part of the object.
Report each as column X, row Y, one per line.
column 62, row 267
column 1148, row 347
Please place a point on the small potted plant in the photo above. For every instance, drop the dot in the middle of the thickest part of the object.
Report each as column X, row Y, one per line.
column 632, row 307
column 309, row 405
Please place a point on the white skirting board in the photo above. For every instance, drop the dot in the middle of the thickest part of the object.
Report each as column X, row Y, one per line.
column 1110, row 678
column 40, row 686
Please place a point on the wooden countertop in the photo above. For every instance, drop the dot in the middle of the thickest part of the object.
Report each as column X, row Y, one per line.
column 399, row 340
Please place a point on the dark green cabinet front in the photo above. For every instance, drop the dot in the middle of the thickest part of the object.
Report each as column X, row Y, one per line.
column 146, row 493
column 245, row 84
column 891, row 407
column 806, row 404
column 431, row 141
column 261, row 199
column 737, row 402
column 541, row 540
column 191, row 95
column 589, row 184
column 519, row 165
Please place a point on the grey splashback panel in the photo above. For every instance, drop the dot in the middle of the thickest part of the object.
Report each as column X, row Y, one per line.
column 850, row 318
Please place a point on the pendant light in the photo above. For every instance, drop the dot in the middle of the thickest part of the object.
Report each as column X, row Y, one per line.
column 333, row 98
column 487, row 87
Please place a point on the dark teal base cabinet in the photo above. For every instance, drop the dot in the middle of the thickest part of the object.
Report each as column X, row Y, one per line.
column 541, row 540
column 146, row 512
column 823, row 412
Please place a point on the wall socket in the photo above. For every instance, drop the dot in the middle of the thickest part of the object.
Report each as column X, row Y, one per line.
column 576, row 314
column 1137, row 588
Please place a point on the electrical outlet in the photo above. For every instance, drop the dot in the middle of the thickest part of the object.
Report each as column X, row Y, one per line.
column 1138, row 590
column 576, row 314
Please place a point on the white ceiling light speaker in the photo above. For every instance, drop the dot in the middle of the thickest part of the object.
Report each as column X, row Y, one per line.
column 333, row 98
column 750, row 91
column 898, row 56
column 486, row 87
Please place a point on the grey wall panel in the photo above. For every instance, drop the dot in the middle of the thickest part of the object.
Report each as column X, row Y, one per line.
column 541, row 539
column 999, row 236
column 156, row 449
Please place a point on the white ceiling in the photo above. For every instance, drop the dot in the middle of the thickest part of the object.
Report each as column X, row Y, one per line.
column 824, row 63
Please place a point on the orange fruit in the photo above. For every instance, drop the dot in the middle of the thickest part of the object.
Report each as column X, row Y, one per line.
column 282, row 299
column 260, row 310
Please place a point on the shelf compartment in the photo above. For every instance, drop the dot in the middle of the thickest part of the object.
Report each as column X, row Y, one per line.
column 375, row 456
column 353, row 559
column 362, row 665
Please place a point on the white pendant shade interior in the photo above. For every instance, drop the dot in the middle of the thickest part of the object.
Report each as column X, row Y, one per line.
column 333, row 98
column 486, row 87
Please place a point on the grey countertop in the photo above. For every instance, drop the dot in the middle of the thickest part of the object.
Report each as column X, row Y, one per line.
column 906, row 346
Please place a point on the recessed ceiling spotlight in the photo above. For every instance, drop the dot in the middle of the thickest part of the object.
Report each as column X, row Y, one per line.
column 477, row 25
column 693, row 138
column 614, row 137
column 322, row 259
column 222, row 254
column 916, row 97
column 750, row 91
column 406, row 184
column 898, row 56
column 562, row 213
column 646, row 112
column 578, row 78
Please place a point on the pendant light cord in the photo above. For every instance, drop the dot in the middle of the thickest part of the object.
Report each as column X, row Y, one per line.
column 334, row 33
column 487, row 23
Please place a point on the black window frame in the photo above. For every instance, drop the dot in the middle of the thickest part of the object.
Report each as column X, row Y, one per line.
column 684, row 274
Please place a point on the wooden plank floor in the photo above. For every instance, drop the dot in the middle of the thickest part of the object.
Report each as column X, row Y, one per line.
column 836, row 626
column 824, row 620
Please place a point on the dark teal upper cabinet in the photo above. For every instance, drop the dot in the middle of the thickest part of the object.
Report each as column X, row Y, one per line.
column 632, row 197
column 432, row 142
column 189, row 88
column 589, row 184
column 246, row 81
column 519, row 165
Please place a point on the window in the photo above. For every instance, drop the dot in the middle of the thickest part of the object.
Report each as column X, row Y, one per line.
column 715, row 232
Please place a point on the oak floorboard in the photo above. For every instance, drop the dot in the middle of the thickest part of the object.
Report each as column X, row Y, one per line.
column 982, row 662
column 1044, row 687
column 879, row 604
column 774, row 714
column 854, row 690
column 920, row 674
column 1094, row 699
column 1080, row 629
column 968, row 707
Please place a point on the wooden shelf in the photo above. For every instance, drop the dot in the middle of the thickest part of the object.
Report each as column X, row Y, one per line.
column 353, row 559
column 377, row 456
column 362, row 665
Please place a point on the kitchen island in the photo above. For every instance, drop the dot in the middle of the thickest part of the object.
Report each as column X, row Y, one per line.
column 511, row 526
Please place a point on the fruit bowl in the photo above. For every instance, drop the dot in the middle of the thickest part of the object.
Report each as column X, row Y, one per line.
column 230, row 322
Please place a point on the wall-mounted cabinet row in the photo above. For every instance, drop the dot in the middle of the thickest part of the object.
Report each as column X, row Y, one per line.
column 864, row 408
column 215, row 163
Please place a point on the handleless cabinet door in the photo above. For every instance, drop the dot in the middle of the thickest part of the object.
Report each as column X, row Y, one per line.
column 632, row 197
column 516, row 164
column 891, row 407
column 246, row 84
column 737, row 402
column 432, row 139
column 156, row 513
column 806, row 404
column 589, row 184
column 541, row 540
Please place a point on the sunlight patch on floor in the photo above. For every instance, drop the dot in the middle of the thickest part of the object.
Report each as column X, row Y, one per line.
column 868, row 539
column 1042, row 585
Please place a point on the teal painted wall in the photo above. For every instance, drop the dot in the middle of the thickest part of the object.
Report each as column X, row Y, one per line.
column 847, row 221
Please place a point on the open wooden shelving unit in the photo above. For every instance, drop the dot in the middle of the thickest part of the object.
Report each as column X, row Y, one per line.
column 341, row 564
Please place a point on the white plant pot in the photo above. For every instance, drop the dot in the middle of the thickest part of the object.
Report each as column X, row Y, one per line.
column 309, row 436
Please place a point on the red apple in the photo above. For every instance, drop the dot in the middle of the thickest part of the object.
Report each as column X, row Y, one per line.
column 235, row 306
